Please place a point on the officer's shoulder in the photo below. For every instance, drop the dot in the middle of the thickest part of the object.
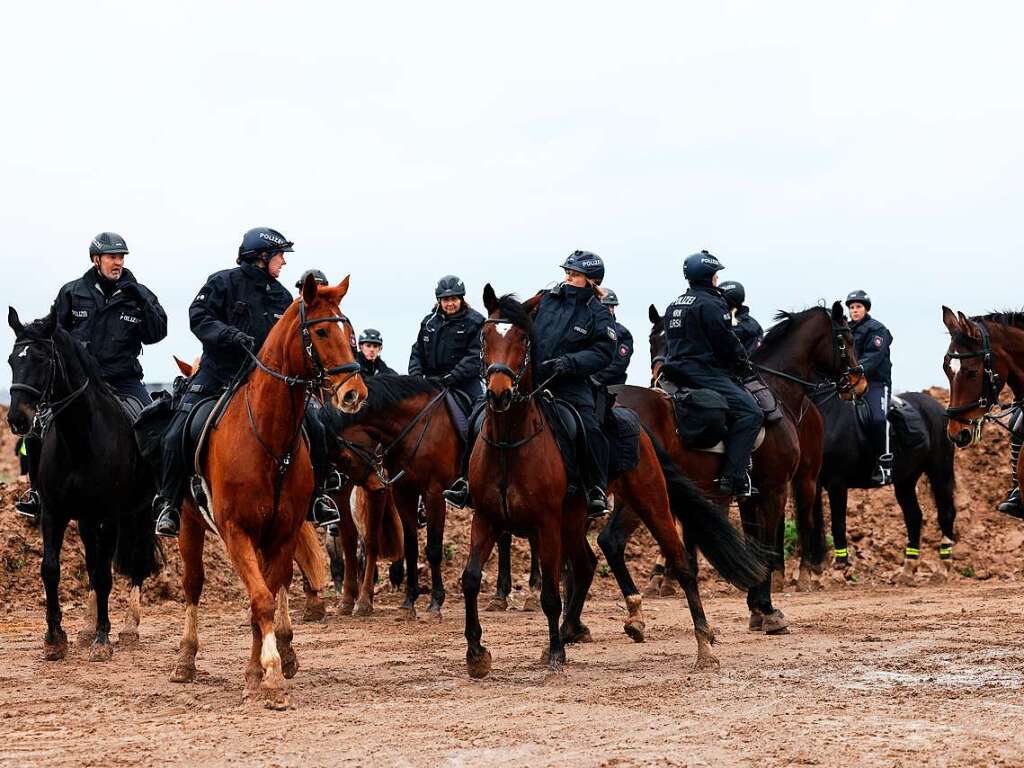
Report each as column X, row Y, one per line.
column 473, row 316
column 623, row 332
column 224, row 275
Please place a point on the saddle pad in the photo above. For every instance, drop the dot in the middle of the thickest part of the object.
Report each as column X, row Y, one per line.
column 562, row 419
column 132, row 407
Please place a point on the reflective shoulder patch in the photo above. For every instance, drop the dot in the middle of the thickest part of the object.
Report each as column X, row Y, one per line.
column 623, row 350
column 611, row 334
column 201, row 297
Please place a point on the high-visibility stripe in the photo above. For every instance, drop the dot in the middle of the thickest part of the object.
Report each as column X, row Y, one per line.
column 840, row 553
column 23, row 449
column 945, row 551
column 911, row 552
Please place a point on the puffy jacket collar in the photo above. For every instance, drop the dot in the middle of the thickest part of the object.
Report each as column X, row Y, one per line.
column 572, row 293
column 257, row 275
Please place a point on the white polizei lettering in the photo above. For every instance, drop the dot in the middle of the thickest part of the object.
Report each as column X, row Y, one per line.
column 954, row 365
column 503, row 328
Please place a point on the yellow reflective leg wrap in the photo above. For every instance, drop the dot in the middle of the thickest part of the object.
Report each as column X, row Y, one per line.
column 911, row 552
column 22, row 448
column 841, row 553
column 945, row 551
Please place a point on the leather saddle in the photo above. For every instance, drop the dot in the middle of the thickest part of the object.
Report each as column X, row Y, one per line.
column 671, row 390
column 459, row 408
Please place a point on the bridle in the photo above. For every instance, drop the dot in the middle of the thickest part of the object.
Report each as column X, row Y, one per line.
column 45, row 409
column 840, row 383
column 991, row 385
column 494, row 368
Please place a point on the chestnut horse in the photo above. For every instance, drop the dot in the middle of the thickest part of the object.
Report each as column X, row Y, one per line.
column 800, row 347
column 985, row 354
column 520, row 485
column 260, row 479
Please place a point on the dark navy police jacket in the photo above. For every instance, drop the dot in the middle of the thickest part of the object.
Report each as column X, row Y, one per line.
column 699, row 334
column 872, row 341
column 450, row 345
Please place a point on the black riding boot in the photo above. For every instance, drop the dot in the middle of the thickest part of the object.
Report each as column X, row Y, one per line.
column 28, row 505
column 738, row 486
column 597, row 502
column 168, row 519
column 1011, row 505
column 458, row 494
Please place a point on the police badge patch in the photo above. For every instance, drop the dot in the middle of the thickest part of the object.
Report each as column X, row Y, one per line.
column 623, row 350
column 877, row 341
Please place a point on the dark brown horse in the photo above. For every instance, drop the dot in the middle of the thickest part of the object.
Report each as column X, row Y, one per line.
column 803, row 345
column 260, row 480
column 985, row 355
column 520, row 485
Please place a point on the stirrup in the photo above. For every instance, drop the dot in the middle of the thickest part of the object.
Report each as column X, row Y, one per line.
column 29, row 505
column 168, row 521
column 739, row 487
column 597, row 503
column 334, row 481
column 458, row 494
column 421, row 513
column 324, row 512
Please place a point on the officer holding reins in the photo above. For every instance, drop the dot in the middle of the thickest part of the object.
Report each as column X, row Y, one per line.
column 702, row 351
column 232, row 315
column 113, row 315
column 872, row 342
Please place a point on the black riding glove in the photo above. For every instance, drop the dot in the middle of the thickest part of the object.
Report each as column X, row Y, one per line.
column 558, row 366
column 243, row 339
column 436, row 380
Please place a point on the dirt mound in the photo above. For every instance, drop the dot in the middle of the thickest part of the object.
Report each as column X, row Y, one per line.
column 988, row 546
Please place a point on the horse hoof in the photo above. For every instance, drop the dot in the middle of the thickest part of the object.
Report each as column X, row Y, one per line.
column 406, row 613
column 86, row 638
column 345, row 607
column 653, row 587
column 128, row 639
column 434, row 612
column 667, row 588
column 531, row 604
column 706, row 662
column 101, row 652
column 478, row 666
column 841, row 563
column 55, row 651
column 497, row 604
column 635, row 629
column 184, row 672
column 578, row 635
column 275, row 699
column 314, row 612
column 289, row 662
column 756, row 623
column 556, row 662
column 363, row 609
column 775, row 623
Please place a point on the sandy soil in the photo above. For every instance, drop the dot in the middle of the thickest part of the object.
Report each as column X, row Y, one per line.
column 878, row 676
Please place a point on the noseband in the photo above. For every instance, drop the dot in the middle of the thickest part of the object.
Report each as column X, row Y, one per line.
column 47, row 410
column 991, row 385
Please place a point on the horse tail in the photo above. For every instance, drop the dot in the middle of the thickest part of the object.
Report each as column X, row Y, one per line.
column 138, row 554
column 310, row 555
column 739, row 561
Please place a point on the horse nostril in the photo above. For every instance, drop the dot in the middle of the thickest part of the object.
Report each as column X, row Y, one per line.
column 350, row 397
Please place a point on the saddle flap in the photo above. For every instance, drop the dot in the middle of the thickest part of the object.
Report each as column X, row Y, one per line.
column 131, row 405
column 459, row 408
column 193, row 436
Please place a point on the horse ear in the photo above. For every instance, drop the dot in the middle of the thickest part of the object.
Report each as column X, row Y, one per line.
column 490, row 299
column 14, row 321
column 838, row 315
column 184, row 367
column 342, row 288
column 309, row 289
column 967, row 327
column 949, row 319
column 653, row 314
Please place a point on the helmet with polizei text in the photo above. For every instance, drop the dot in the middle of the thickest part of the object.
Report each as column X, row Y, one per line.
column 262, row 243
column 859, row 297
column 319, row 276
column 371, row 336
column 610, row 299
column 735, row 293
column 586, row 263
column 449, row 286
column 107, row 242
column 700, row 267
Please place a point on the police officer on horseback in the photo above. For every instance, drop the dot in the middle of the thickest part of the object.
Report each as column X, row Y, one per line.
column 574, row 339
column 746, row 328
column 112, row 315
column 447, row 348
column 370, row 361
column 703, row 352
column 872, row 342
column 232, row 315
column 615, row 373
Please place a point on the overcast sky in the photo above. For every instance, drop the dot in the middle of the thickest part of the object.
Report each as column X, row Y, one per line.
column 816, row 149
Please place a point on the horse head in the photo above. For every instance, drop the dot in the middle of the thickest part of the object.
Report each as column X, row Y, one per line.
column 506, row 340
column 657, row 342
column 976, row 375
column 841, row 361
column 33, row 368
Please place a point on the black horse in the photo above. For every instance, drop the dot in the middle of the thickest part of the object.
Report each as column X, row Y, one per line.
column 850, row 460
column 89, row 470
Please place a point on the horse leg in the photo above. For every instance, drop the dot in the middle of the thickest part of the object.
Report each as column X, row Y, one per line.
column 549, row 548
column 703, row 631
column 761, row 519
column 191, row 540
column 55, row 642
column 284, row 633
column 532, row 602
column 810, row 526
column 411, row 544
column 612, row 540
column 837, row 493
column 503, row 588
column 309, row 555
column 377, row 504
column 943, row 488
column 583, row 563
column 906, row 496
column 436, row 514
column 87, row 634
column 103, row 582
column 349, row 540
column 481, row 543
column 129, row 634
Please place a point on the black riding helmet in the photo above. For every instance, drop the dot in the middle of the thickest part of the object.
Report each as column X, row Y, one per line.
column 859, row 297
column 107, row 242
column 586, row 263
column 449, row 286
column 371, row 336
column 319, row 276
column 701, row 267
column 735, row 293
column 610, row 299
column 262, row 243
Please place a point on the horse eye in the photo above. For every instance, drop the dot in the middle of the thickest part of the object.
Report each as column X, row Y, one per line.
column 321, row 332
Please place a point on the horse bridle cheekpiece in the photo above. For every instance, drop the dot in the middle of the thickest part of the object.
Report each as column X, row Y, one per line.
column 494, row 368
column 990, row 384
column 46, row 410
column 841, row 352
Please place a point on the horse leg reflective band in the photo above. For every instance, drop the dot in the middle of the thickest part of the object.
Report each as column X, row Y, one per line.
column 23, row 448
column 945, row 551
column 841, row 552
column 913, row 552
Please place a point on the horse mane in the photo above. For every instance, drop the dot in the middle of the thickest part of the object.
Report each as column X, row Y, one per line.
column 785, row 322
column 384, row 392
column 73, row 351
column 511, row 309
column 1007, row 318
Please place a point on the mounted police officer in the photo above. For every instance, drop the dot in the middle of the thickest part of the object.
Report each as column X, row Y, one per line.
column 113, row 315
column 746, row 328
column 447, row 349
column 615, row 373
column 872, row 341
column 232, row 315
column 703, row 352
column 370, row 361
column 574, row 339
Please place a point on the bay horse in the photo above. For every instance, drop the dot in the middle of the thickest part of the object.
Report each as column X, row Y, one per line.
column 850, row 460
column 260, row 479
column 90, row 470
column 985, row 355
column 520, row 485
column 798, row 348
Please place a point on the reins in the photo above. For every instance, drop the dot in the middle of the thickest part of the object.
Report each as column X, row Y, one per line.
column 46, row 411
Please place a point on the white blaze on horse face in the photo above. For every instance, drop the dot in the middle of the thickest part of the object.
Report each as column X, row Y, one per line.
column 954, row 365
column 503, row 328
column 24, row 351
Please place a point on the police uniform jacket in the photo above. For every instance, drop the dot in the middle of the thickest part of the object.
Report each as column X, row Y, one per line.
column 449, row 345
column 699, row 335
column 872, row 341
column 747, row 330
column 373, row 367
column 615, row 373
